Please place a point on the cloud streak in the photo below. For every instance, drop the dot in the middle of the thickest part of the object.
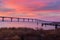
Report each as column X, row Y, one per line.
column 29, row 7
column 6, row 10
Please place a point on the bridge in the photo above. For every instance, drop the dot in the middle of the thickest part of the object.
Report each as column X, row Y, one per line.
column 37, row 21
column 56, row 24
column 11, row 18
column 18, row 19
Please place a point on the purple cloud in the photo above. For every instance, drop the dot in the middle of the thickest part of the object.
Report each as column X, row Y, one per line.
column 1, row 3
column 55, row 5
column 6, row 10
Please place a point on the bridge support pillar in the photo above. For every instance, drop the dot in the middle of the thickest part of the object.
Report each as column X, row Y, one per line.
column 23, row 19
column 2, row 19
column 28, row 20
column 32, row 20
column 56, row 26
column 18, row 19
column 11, row 19
column 42, row 24
column 37, row 25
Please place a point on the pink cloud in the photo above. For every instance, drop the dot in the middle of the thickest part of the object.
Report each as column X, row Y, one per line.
column 29, row 7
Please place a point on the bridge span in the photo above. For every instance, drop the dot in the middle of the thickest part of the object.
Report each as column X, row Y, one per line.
column 37, row 21
column 18, row 19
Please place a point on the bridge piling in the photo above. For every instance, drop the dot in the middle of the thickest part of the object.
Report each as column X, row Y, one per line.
column 28, row 20
column 2, row 19
column 42, row 24
column 37, row 24
column 18, row 19
column 56, row 26
column 23, row 19
column 11, row 19
column 32, row 20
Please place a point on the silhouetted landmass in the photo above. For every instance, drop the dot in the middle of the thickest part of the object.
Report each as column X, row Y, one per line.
column 28, row 34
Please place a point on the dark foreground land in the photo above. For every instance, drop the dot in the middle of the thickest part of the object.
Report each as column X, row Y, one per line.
column 28, row 34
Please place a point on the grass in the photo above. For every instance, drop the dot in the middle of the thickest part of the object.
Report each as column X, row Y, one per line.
column 28, row 34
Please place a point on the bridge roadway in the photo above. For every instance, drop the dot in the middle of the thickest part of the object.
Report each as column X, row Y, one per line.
column 56, row 24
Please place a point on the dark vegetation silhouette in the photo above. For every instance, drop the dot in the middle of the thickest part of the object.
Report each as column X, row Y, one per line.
column 28, row 34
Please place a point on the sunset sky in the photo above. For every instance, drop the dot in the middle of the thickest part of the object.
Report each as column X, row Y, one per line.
column 41, row 9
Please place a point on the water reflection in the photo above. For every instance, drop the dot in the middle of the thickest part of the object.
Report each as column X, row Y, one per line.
column 25, row 24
